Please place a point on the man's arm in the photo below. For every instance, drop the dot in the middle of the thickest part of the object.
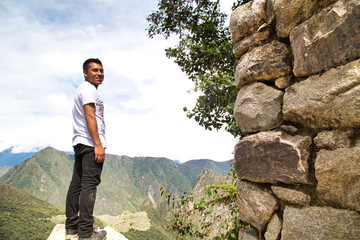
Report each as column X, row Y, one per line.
column 91, row 124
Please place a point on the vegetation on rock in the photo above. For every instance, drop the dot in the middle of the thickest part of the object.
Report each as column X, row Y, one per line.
column 208, row 213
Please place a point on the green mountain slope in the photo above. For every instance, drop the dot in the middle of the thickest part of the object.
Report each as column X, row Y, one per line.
column 159, row 220
column 125, row 181
column 24, row 217
column 4, row 169
column 196, row 167
column 46, row 175
column 161, row 213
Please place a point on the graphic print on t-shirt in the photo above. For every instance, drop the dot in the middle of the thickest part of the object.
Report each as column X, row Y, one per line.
column 100, row 113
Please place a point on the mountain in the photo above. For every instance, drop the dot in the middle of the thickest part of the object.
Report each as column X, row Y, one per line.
column 23, row 216
column 125, row 182
column 220, row 217
column 8, row 158
column 161, row 213
column 4, row 169
column 196, row 167
column 160, row 217
column 45, row 175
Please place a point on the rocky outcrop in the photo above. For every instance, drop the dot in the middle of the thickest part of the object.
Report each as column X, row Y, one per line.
column 127, row 220
column 58, row 233
column 220, row 217
column 298, row 106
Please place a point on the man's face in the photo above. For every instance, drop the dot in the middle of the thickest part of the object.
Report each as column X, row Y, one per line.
column 95, row 74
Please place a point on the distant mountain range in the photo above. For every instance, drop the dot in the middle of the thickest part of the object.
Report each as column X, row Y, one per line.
column 9, row 158
column 125, row 184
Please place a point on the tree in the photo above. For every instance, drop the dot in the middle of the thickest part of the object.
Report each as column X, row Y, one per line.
column 204, row 53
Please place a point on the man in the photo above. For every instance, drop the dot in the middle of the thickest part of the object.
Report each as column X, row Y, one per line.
column 89, row 145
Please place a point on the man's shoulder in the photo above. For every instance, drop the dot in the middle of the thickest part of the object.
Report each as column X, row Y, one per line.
column 86, row 87
column 86, row 84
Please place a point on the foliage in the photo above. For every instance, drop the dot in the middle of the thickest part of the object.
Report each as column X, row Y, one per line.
column 204, row 53
column 25, row 217
column 222, row 194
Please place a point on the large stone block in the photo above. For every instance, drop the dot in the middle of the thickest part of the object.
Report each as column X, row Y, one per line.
column 319, row 223
column 338, row 175
column 290, row 13
column 271, row 157
column 264, row 63
column 247, row 18
column 327, row 100
column 248, row 42
column 328, row 39
column 256, row 204
column 291, row 196
column 273, row 229
column 258, row 108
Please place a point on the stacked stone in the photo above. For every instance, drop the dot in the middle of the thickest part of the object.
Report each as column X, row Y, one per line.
column 298, row 75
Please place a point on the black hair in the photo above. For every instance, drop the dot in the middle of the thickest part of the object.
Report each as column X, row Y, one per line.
column 86, row 64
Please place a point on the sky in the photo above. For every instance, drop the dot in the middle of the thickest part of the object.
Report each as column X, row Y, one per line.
column 43, row 46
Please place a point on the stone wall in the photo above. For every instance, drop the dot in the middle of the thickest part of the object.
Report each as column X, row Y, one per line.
column 298, row 105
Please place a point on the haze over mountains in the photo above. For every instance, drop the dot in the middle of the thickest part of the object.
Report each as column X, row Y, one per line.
column 126, row 182
column 9, row 158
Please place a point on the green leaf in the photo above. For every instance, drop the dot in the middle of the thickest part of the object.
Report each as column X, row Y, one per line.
column 204, row 54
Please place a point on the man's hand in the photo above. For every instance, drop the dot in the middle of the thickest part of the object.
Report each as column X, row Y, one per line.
column 99, row 153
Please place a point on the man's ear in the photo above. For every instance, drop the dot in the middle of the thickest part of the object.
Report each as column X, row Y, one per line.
column 85, row 73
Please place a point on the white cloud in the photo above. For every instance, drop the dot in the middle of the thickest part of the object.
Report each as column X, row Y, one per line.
column 43, row 46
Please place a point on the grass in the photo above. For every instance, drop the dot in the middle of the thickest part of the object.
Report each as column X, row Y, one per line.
column 23, row 216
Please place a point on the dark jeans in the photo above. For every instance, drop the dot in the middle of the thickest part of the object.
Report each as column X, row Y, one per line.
column 82, row 191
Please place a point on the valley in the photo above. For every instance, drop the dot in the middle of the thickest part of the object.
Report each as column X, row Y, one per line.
column 128, row 198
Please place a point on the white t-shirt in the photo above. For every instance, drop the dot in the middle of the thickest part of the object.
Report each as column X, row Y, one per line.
column 86, row 93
